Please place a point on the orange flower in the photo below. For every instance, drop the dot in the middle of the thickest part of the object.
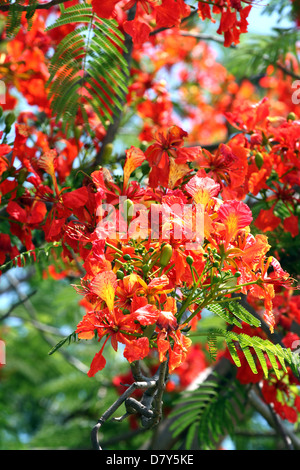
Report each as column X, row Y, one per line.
column 119, row 328
column 134, row 159
column 104, row 286
column 235, row 215
column 202, row 190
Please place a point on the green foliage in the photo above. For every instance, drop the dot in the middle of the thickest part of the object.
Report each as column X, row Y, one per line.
column 68, row 339
column 234, row 313
column 278, row 6
column 47, row 402
column 40, row 256
column 13, row 21
column 252, row 56
column 87, row 68
column 255, row 349
column 204, row 415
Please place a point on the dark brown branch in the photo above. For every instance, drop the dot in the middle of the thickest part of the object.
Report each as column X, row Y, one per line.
column 113, row 408
column 288, row 72
column 269, row 416
column 150, row 415
column 38, row 6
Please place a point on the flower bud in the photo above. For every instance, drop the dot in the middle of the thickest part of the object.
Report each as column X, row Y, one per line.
column 291, row 117
column 166, row 255
column 128, row 209
column 9, row 120
column 107, row 153
column 120, row 274
column 259, row 160
column 189, row 260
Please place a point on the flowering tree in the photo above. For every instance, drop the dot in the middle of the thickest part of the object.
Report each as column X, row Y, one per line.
column 166, row 190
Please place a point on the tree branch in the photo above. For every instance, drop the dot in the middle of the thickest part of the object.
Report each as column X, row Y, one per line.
column 204, row 37
column 24, row 299
column 38, row 6
column 111, row 410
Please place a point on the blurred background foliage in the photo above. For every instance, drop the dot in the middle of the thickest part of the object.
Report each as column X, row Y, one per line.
column 48, row 401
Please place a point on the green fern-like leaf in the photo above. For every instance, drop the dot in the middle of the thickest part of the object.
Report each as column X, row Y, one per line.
column 261, row 347
column 200, row 417
column 223, row 313
column 240, row 312
column 88, row 68
column 255, row 53
column 13, row 20
column 234, row 313
column 36, row 256
column 256, row 350
column 212, row 345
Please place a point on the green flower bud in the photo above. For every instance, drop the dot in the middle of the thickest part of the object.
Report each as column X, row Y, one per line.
column 259, row 160
column 128, row 209
column 166, row 255
column 9, row 120
column 120, row 274
column 189, row 260
column 291, row 117
column 22, row 175
column 107, row 152
column 127, row 257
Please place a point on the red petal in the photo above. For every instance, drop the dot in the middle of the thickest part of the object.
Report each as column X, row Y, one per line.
column 137, row 349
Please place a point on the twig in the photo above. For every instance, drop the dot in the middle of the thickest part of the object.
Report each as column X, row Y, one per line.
column 161, row 384
column 265, row 411
column 38, row 6
column 34, row 320
column 287, row 71
column 150, row 415
column 20, row 302
column 204, row 37
column 187, row 18
column 111, row 410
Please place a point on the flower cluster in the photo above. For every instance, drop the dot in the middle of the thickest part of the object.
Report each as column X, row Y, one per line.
column 145, row 290
column 154, row 15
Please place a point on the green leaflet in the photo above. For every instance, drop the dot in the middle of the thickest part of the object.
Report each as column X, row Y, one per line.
column 212, row 345
column 13, row 20
column 261, row 347
column 207, row 413
column 234, row 313
column 37, row 256
column 256, row 351
column 67, row 339
column 87, row 68
column 200, row 417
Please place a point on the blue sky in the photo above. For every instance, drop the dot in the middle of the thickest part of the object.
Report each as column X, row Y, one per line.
column 263, row 23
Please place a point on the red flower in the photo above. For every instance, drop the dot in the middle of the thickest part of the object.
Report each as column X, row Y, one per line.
column 168, row 145
column 104, row 8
